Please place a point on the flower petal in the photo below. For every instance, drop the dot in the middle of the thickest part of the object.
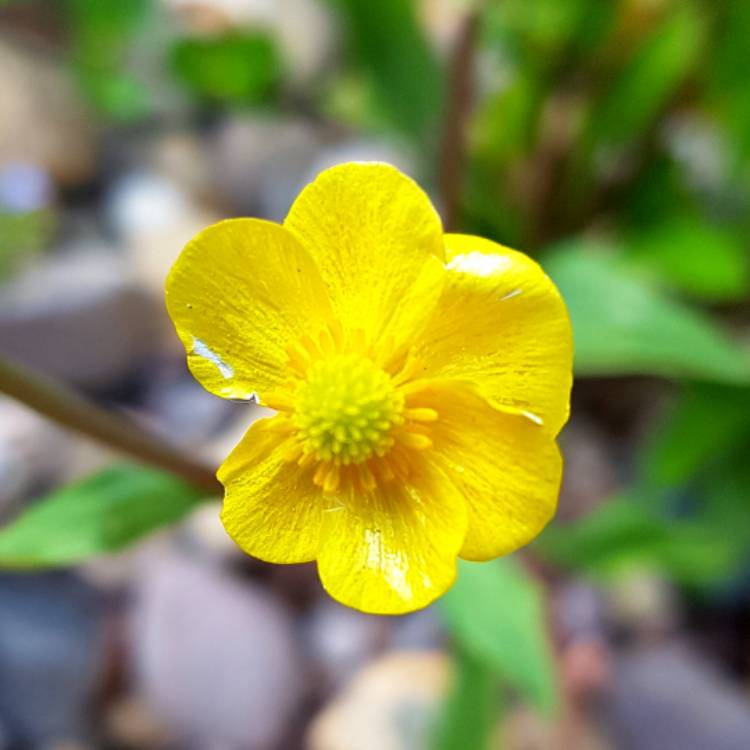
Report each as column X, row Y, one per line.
column 502, row 324
column 507, row 467
column 370, row 229
column 393, row 550
column 272, row 509
column 239, row 293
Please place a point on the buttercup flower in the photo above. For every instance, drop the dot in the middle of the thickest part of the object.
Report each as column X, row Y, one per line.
column 420, row 380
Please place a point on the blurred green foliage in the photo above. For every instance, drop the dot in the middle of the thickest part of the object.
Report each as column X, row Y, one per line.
column 495, row 612
column 609, row 138
column 233, row 68
column 22, row 235
column 388, row 44
column 100, row 514
column 623, row 324
column 101, row 35
column 472, row 709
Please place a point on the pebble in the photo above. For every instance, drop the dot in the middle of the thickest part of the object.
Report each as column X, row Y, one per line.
column 667, row 698
column 214, row 657
column 79, row 317
column 390, row 705
column 44, row 121
column 52, row 651
column 260, row 162
column 154, row 218
column 33, row 455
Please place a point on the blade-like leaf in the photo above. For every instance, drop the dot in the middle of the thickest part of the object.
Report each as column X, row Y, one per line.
column 706, row 422
column 391, row 48
column 495, row 613
column 103, row 513
column 695, row 257
column 635, row 98
column 624, row 325
column 234, row 68
column 471, row 709
column 623, row 535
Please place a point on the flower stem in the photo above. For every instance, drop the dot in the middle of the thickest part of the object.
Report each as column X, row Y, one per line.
column 460, row 95
column 66, row 407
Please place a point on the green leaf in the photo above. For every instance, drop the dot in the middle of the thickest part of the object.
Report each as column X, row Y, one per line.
column 103, row 513
column 495, row 613
column 470, row 711
column 623, row 535
column 707, row 421
column 102, row 36
column 695, row 257
column 234, row 68
column 624, row 325
column 636, row 97
column 728, row 85
column 391, row 48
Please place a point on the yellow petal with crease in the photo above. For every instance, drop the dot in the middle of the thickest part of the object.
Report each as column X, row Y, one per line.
column 370, row 230
column 271, row 509
column 393, row 550
column 507, row 467
column 502, row 325
column 241, row 291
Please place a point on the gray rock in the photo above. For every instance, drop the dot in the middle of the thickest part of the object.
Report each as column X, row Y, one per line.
column 214, row 658
column 341, row 641
column 33, row 453
column 390, row 705
column 418, row 630
column 260, row 163
column 578, row 611
column 51, row 658
column 154, row 218
column 306, row 33
column 669, row 699
column 186, row 412
column 590, row 473
column 643, row 604
column 78, row 317
column 44, row 121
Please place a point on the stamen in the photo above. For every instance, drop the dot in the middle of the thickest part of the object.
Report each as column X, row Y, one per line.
column 414, row 440
column 359, row 342
column 320, row 473
column 299, row 359
column 366, row 477
column 327, row 343
column 345, row 409
column 421, row 414
column 293, row 452
column 348, row 413
column 308, row 343
column 278, row 400
column 337, row 333
column 332, row 480
column 409, row 370
column 398, row 465
column 307, row 459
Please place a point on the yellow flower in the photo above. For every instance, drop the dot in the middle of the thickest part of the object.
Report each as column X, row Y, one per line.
column 420, row 380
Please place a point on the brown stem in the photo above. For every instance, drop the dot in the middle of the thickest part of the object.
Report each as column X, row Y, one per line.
column 69, row 409
column 458, row 106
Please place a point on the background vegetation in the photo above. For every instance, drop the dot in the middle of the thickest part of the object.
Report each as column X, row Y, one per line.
column 610, row 139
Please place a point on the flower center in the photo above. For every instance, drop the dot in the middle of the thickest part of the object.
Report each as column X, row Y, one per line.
column 345, row 409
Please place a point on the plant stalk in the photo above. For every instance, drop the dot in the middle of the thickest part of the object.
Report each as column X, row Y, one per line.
column 66, row 407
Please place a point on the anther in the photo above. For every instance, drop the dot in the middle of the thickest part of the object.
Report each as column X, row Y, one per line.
column 414, row 440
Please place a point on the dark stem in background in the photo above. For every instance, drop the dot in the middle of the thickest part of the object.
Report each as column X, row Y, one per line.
column 457, row 110
column 69, row 409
